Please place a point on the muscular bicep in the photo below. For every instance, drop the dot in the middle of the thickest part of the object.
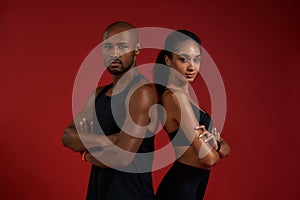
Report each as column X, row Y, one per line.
column 137, row 119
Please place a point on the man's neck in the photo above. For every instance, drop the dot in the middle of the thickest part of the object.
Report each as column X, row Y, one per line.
column 121, row 81
column 115, row 78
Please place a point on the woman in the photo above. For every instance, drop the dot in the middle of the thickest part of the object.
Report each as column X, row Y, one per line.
column 197, row 150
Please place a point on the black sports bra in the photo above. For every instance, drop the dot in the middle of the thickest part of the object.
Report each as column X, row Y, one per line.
column 180, row 139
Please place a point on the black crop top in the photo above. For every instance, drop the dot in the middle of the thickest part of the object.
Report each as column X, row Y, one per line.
column 180, row 139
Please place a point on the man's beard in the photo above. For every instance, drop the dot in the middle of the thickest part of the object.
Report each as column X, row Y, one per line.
column 120, row 70
column 117, row 72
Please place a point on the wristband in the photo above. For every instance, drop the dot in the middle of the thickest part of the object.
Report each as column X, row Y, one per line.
column 83, row 156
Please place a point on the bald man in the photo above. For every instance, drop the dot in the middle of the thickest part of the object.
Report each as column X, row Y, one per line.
column 115, row 129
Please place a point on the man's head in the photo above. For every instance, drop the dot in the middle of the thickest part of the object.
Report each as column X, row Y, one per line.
column 120, row 47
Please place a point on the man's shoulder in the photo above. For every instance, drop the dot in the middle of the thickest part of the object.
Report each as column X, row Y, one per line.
column 145, row 89
column 168, row 94
column 144, row 95
column 100, row 88
column 170, row 98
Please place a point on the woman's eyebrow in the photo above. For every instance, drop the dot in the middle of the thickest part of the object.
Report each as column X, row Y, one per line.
column 186, row 55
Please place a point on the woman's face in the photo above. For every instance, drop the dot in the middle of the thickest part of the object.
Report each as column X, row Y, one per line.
column 186, row 59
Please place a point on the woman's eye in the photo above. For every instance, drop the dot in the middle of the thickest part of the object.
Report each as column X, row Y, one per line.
column 183, row 59
column 196, row 60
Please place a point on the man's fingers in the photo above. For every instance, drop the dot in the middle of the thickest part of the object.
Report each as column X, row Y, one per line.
column 92, row 126
column 81, row 129
column 85, row 125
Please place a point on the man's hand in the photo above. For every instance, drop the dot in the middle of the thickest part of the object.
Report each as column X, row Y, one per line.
column 86, row 126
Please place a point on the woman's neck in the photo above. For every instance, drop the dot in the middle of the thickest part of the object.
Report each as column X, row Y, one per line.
column 182, row 88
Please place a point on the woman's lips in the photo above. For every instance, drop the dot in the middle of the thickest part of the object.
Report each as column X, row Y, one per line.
column 190, row 75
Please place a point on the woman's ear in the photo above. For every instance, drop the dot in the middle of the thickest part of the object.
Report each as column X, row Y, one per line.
column 168, row 60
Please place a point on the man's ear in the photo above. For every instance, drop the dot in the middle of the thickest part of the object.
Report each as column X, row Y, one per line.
column 138, row 48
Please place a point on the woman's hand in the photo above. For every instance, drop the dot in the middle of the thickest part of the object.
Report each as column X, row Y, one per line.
column 206, row 137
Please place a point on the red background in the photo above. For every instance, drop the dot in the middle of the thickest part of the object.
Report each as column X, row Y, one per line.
column 254, row 44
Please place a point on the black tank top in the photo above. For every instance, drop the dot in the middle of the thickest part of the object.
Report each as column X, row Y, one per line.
column 106, row 116
column 117, row 184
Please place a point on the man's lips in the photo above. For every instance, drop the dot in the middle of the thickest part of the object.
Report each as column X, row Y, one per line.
column 116, row 60
column 115, row 63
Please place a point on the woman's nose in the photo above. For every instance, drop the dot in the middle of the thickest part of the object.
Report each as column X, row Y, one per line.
column 191, row 67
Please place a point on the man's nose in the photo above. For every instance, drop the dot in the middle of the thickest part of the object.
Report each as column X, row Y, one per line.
column 116, row 52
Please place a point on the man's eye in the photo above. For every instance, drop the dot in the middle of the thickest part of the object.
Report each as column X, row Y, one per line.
column 107, row 46
column 123, row 47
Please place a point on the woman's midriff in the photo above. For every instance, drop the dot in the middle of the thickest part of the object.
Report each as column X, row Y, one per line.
column 189, row 157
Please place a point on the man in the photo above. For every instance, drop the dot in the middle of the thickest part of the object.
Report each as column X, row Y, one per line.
column 120, row 112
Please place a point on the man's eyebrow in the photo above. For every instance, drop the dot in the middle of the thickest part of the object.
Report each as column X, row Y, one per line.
column 118, row 43
column 122, row 43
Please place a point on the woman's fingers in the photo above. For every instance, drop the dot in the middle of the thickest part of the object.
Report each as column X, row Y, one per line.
column 211, row 140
